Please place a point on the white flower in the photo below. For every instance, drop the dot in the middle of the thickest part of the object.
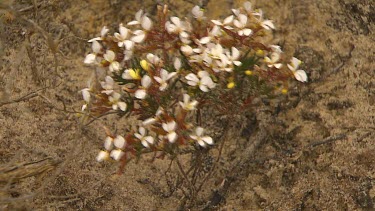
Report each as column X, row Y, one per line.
column 117, row 154
column 131, row 74
column 176, row 26
column 233, row 58
column 215, row 32
column 216, row 51
column 152, row 120
column 300, row 75
column 203, row 80
column 92, row 57
column 179, row 27
column 266, row 24
column 138, row 18
column 202, row 140
column 272, row 62
column 103, row 33
column 222, row 64
column 198, row 13
column 154, row 59
column 139, row 36
column 143, row 20
column 107, row 85
column 122, row 38
column 119, row 142
column 145, row 82
column 110, row 57
column 170, row 128
column 142, row 135
column 241, row 23
column 187, row 104
column 226, row 23
column 114, row 100
column 163, row 79
column 102, row 155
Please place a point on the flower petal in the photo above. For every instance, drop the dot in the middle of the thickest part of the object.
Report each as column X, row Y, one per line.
column 90, row 59
column 138, row 38
column 187, row 50
column 171, row 126
column 192, row 77
column 122, row 106
column 201, row 142
column 109, row 56
column 146, row 23
column 140, row 94
column 149, row 139
column 199, row 131
column 117, row 154
column 228, row 20
column 278, row 65
column 96, row 47
column 108, row 143
column 172, row 137
column 103, row 155
column 300, row 75
column 176, row 21
column 177, row 63
column 205, row 40
column 144, row 143
column 119, row 142
column 142, row 131
column 208, row 140
column 148, row 121
column 203, row 88
column 146, row 81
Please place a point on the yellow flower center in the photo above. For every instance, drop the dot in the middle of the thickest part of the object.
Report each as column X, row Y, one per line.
column 135, row 74
column 231, row 85
column 259, row 53
column 284, row 91
column 248, row 72
column 145, row 65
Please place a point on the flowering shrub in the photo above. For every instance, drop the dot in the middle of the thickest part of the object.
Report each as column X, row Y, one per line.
column 167, row 71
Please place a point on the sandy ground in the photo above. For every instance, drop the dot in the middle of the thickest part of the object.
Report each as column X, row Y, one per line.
column 313, row 150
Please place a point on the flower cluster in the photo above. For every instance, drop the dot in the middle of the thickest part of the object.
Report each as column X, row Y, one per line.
column 164, row 71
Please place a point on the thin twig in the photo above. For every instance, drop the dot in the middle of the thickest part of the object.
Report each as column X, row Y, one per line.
column 217, row 159
column 327, row 140
column 24, row 98
column 192, row 187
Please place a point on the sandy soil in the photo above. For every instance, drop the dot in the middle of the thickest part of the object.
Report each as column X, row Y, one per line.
column 313, row 150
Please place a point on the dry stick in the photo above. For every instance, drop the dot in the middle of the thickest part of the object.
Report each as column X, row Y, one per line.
column 327, row 140
column 217, row 159
column 22, row 171
column 98, row 117
column 192, row 187
column 346, row 59
column 23, row 98
column 218, row 194
column 52, row 43
column 59, row 169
